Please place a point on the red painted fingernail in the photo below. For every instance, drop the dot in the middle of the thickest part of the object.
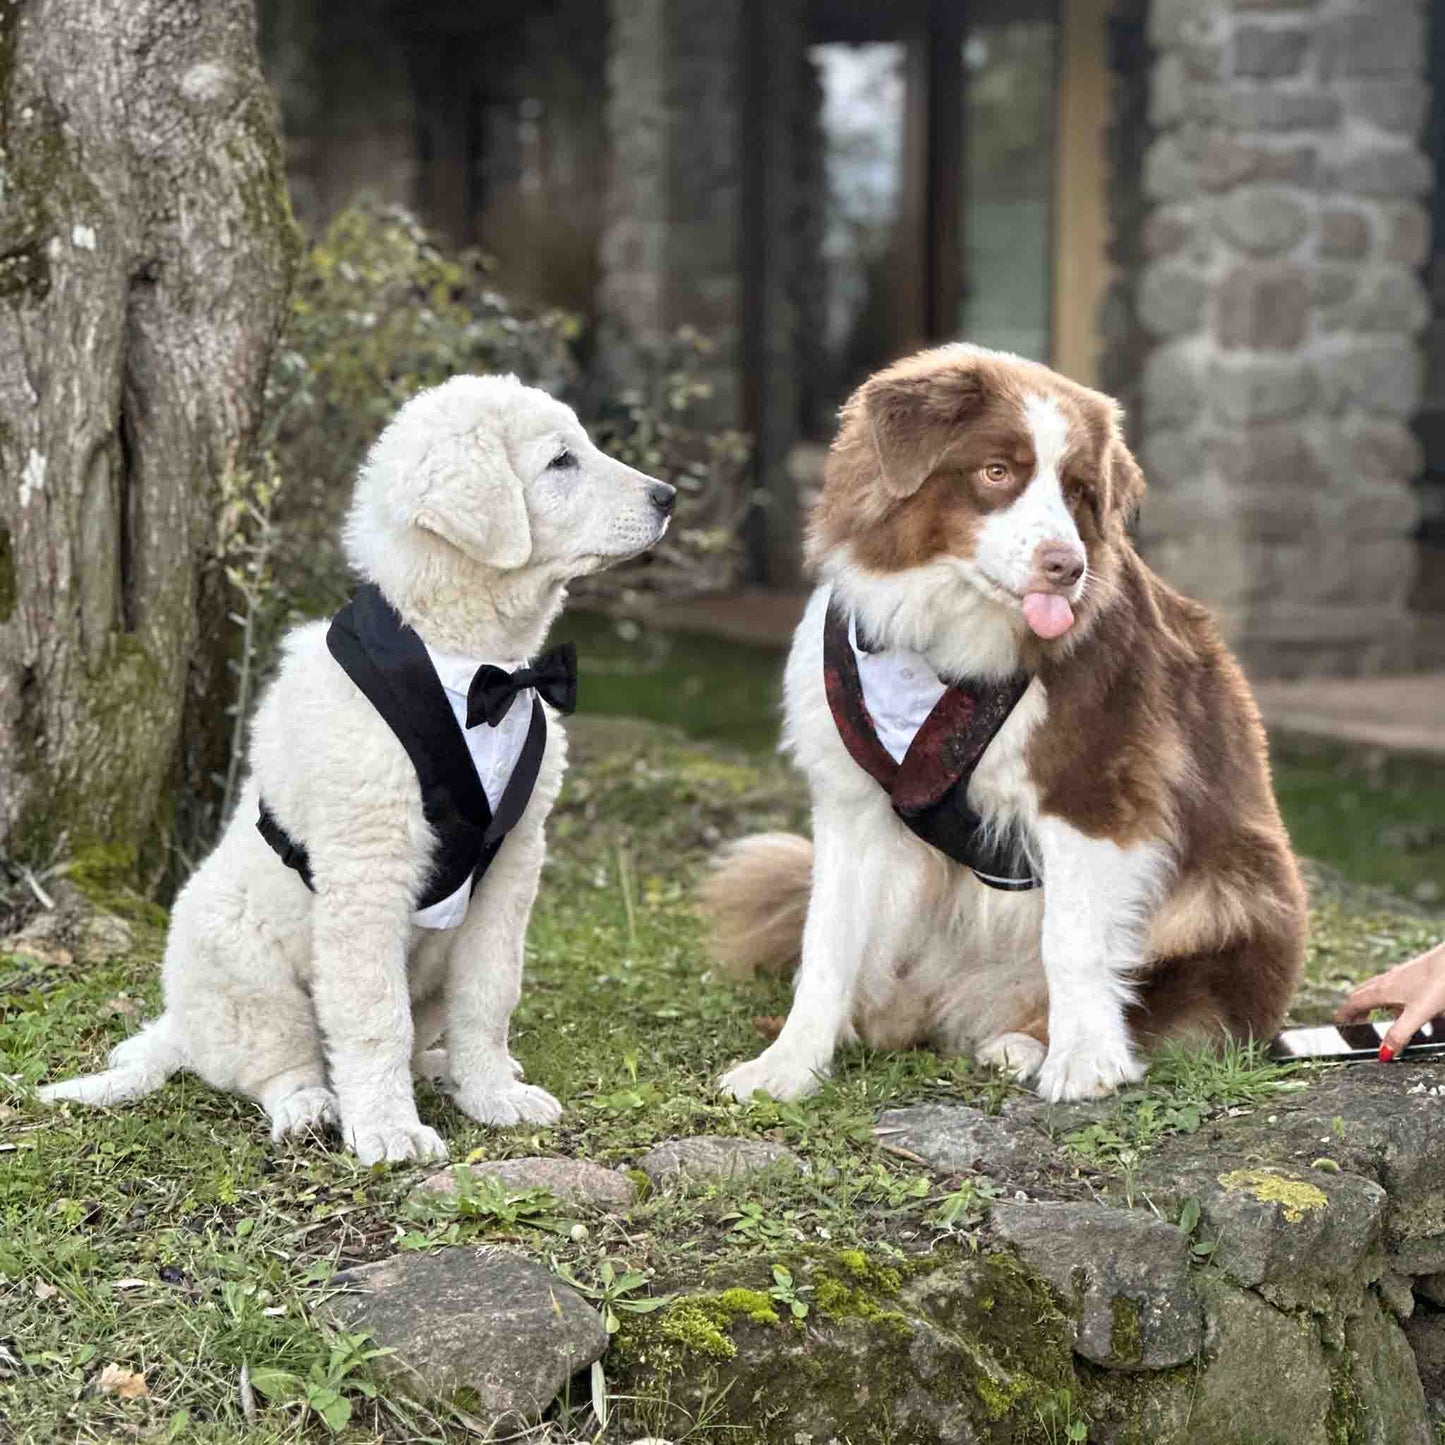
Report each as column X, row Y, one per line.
column 1386, row 1053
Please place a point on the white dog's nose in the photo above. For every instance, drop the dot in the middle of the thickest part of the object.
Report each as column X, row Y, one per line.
column 662, row 496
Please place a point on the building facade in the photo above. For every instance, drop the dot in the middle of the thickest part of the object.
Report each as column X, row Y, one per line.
column 1220, row 210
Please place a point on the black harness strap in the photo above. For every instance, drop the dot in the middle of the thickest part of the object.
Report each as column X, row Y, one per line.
column 389, row 664
column 291, row 853
column 929, row 788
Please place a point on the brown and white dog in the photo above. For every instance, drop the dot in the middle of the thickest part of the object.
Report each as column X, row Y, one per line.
column 973, row 524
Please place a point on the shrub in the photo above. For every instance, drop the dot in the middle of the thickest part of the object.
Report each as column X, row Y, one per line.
column 381, row 311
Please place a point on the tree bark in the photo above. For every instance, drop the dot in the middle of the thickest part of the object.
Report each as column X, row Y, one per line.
column 146, row 247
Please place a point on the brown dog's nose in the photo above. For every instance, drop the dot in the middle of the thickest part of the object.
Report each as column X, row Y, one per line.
column 1061, row 564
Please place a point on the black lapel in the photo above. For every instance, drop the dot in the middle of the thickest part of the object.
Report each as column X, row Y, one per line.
column 389, row 663
column 929, row 790
column 518, row 792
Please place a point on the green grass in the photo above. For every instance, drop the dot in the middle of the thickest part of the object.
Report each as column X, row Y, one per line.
column 171, row 1238
column 1378, row 818
column 712, row 689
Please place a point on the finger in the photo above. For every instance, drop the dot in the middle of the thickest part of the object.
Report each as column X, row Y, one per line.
column 1417, row 1012
column 1372, row 994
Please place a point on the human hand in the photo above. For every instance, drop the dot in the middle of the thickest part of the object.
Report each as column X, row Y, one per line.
column 1415, row 989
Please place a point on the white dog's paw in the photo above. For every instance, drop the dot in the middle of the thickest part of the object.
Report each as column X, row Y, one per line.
column 779, row 1075
column 434, row 1065
column 1088, row 1071
column 507, row 1103
column 308, row 1109
column 394, row 1142
column 1018, row 1054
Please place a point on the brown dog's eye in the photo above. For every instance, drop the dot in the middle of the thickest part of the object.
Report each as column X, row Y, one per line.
column 996, row 472
column 1081, row 493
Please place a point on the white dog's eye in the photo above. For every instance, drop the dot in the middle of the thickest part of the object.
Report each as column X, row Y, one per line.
column 564, row 461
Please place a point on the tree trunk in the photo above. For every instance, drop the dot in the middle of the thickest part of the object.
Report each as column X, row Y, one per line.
column 146, row 246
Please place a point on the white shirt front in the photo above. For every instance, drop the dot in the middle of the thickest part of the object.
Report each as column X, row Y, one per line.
column 494, row 750
column 900, row 689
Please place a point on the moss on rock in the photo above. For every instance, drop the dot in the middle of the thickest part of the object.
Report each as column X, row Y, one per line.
column 1296, row 1197
column 694, row 1325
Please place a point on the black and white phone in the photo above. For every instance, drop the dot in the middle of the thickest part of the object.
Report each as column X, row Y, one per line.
column 1345, row 1042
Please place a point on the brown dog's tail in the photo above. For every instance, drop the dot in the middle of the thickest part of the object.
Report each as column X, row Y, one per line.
column 755, row 901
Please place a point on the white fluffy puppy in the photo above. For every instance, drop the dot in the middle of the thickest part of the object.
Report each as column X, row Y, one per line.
column 475, row 508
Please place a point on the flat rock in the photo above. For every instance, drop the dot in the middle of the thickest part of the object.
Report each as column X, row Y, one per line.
column 574, row 1182
column 1294, row 1234
column 1123, row 1275
column 707, row 1158
column 956, row 1139
column 939, row 1359
column 487, row 1320
column 1378, row 1124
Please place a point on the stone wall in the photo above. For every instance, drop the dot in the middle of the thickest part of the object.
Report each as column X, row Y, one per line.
column 1281, row 301
column 672, row 241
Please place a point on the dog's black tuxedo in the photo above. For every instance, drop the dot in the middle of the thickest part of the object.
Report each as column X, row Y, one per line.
column 929, row 788
column 388, row 662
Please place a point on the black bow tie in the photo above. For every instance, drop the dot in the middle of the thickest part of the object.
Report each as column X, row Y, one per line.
column 554, row 675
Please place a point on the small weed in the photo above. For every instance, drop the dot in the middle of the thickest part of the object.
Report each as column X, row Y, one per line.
column 483, row 1200
column 324, row 1389
column 965, row 1207
column 759, row 1225
column 1060, row 1424
column 615, row 1290
column 787, row 1293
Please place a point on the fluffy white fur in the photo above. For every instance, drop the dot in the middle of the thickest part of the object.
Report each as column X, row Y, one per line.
column 475, row 508
column 901, row 944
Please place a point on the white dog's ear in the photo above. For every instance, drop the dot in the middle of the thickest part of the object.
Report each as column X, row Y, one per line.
column 472, row 497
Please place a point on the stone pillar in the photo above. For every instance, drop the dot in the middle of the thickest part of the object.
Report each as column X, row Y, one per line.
column 1281, row 299
column 672, row 246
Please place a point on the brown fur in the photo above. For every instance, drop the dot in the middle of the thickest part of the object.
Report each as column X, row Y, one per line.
column 756, row 901
column 1151, row 731
column 903, row 482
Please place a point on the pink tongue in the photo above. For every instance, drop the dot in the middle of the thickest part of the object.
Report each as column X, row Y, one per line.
column 1049, row 615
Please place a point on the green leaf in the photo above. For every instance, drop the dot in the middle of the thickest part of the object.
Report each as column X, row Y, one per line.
column 1189, row 1216
column 336, row 1412
column 279, row 1385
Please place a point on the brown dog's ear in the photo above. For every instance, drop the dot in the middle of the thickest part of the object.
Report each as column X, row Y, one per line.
column 911, row 420
column 1125, row 481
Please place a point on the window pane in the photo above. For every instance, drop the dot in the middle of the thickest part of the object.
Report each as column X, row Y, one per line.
column 1009, row 96
column 862, row 136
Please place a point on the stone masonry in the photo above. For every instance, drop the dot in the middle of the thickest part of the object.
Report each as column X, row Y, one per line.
column 671, row 237
column 1282, row 306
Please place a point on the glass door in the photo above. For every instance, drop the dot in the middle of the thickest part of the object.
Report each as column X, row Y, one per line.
column 1010, row 87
